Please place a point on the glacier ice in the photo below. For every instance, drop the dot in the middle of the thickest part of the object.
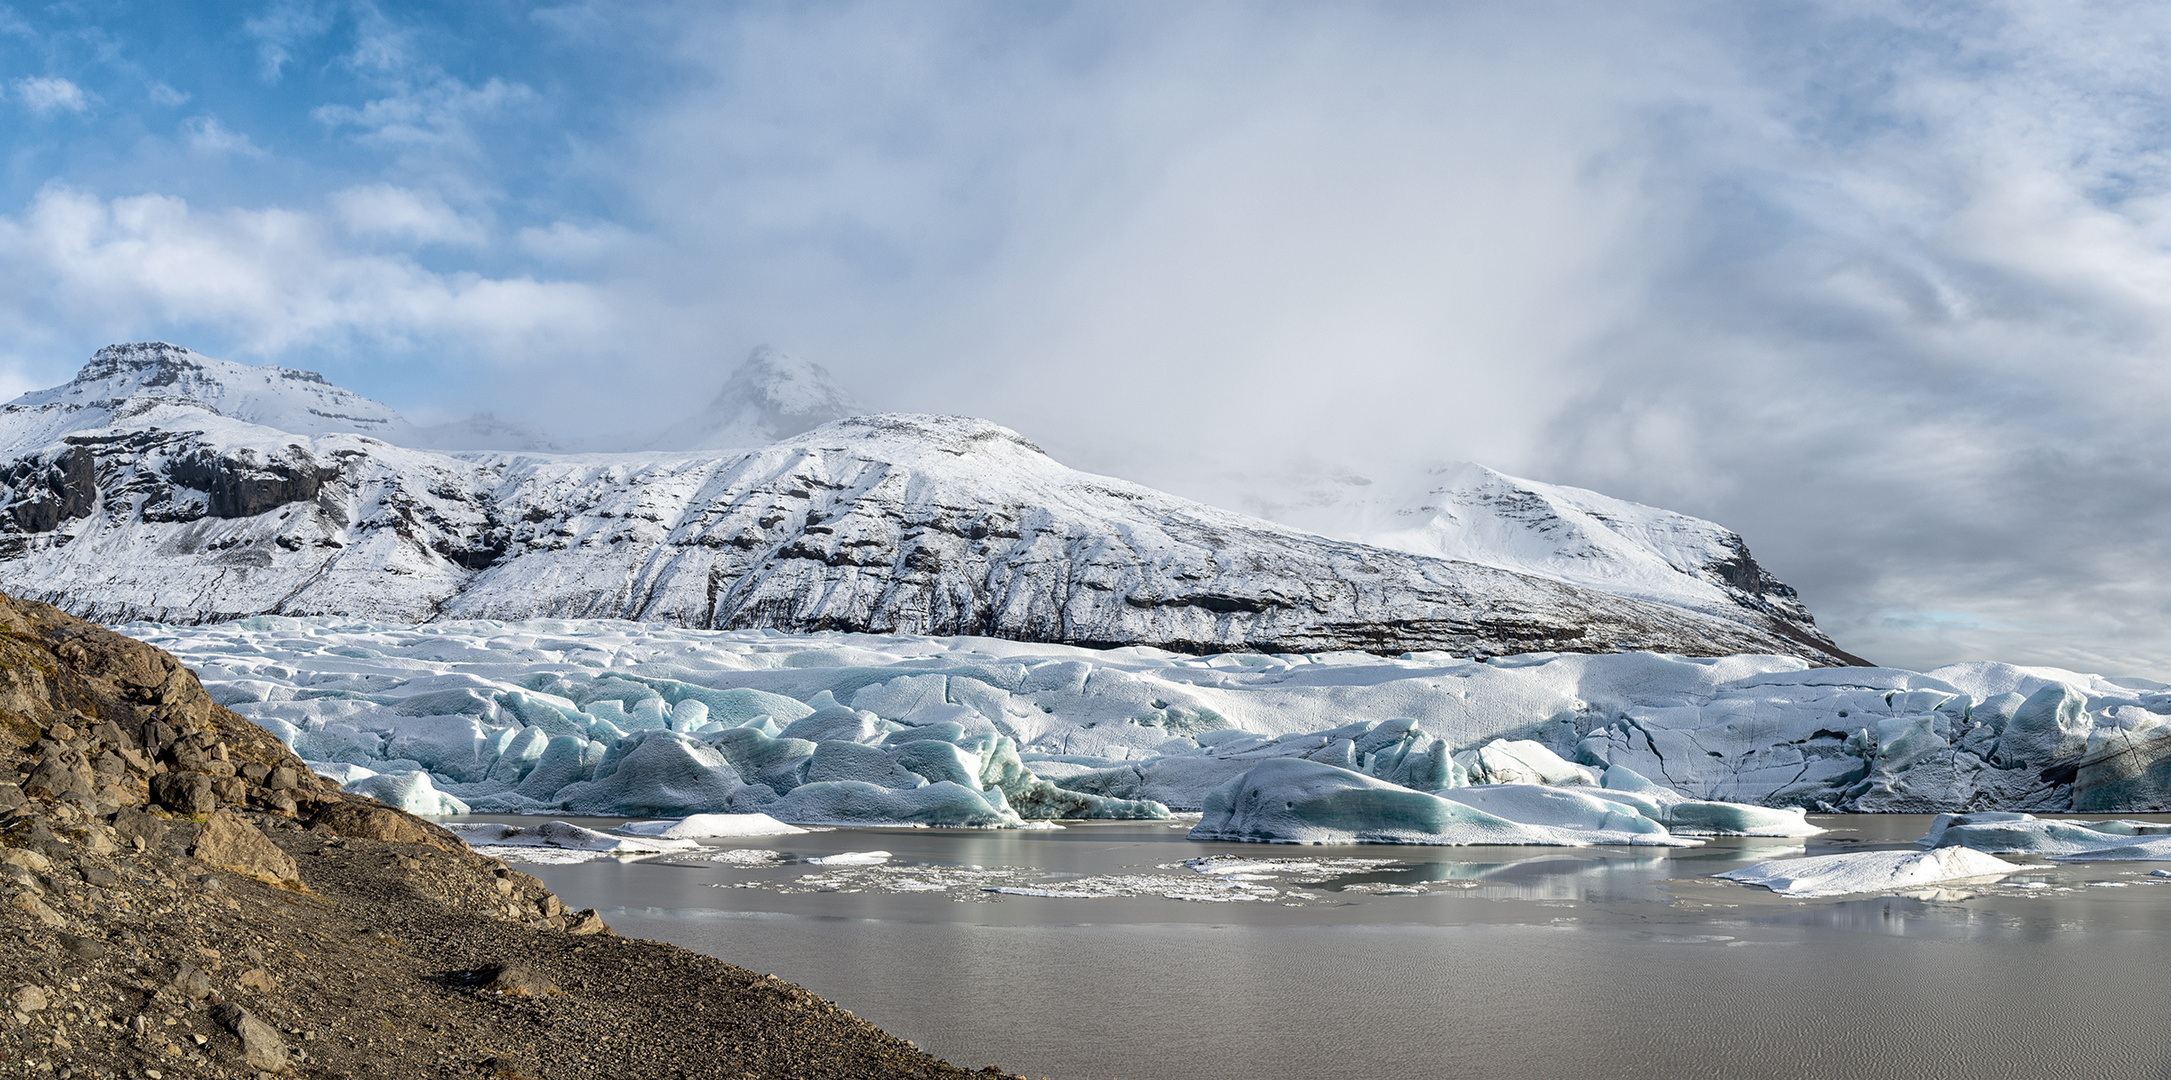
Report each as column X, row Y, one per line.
column 594, row 716
column 1870, row 871
column 1297, row 801
column 856, row 802
column 410, row 791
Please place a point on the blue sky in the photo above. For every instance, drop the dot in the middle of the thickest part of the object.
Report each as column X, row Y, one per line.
column 1884, row 286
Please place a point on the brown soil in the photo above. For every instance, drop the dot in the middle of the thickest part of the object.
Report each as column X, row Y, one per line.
column 262, row 923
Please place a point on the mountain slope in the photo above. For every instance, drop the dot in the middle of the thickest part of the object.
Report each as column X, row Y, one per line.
column 1469, row 512
column 887, row 523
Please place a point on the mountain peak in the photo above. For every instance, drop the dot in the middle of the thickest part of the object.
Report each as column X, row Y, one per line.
column 129, row 379
column 771, row 395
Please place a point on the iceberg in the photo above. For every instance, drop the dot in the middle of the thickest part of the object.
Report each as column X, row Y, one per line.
column 2026, row 834
column 1606, row 822
column 1296, row 801
column 1870, row 871
column 710, row 827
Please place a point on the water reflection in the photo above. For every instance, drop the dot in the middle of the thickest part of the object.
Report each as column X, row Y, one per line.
column 1503, row 962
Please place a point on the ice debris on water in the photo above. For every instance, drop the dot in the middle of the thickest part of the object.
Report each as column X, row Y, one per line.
column 851, row 858
column 562, row 835
column 1214, row 880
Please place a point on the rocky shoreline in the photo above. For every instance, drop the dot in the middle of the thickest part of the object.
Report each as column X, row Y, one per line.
column 185, row 899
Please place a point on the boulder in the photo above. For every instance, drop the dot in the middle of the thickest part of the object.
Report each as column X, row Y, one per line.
column 187, row 793
column 229, row 842
column 261, row 1045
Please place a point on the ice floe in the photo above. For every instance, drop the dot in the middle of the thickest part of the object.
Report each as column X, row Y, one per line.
column 710, row 827
column 565, row 836
column 2025, row 834
column 1870, row 871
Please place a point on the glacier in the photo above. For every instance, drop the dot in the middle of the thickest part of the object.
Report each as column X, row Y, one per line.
column 164, row 485
column 626, row 719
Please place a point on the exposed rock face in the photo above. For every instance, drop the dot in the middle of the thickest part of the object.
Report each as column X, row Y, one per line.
column 889, row 523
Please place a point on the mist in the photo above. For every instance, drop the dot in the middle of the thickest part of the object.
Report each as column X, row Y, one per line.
column 1880, row 286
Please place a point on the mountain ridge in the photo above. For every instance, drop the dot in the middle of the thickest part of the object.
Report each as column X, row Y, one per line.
column 885, row 523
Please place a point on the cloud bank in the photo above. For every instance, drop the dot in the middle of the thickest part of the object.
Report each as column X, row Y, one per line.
column 1882, row 286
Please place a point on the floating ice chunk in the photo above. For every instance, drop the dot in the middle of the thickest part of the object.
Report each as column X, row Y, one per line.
column 1684, row 816
column 706, row 826
column 1869, row 871
column 410, row 791
column 2154, row 850
column 563, row 834
column 1605, row 821
column 2006, row 833
column 853, row 802
column 851, row 858
column 1294, row 801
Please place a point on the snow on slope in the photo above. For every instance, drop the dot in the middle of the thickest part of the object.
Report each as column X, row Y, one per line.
column 157, row 506
column 771, row 395
column 1469, row 512
column 123, row 381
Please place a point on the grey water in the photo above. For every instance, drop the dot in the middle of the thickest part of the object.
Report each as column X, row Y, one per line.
column 1443, row 962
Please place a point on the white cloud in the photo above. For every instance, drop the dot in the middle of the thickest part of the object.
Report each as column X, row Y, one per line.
column 47, row 95
column 283, row 28
column 433, row 115
column 388, row 212
column 162, row 94
column 566, row 242
column 206, row 135
column 268, row 279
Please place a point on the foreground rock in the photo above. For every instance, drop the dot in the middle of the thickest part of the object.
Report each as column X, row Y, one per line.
column 295, row 930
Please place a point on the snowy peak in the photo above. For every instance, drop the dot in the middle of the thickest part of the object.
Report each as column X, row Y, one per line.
column 1471, row 513
column 907, row 436
column 125, row 381
column 772, row 395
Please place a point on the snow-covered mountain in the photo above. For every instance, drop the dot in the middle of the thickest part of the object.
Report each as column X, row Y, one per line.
column 771, row 395
column 1468, row 512
column 168, row 486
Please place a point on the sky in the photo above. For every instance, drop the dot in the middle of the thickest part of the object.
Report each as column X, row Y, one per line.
column 1885, row 287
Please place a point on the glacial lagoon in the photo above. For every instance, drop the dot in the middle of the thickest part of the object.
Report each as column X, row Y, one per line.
column 1124, row 951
